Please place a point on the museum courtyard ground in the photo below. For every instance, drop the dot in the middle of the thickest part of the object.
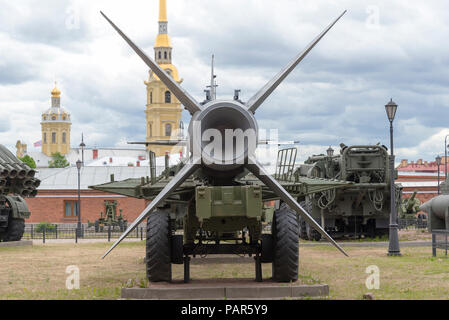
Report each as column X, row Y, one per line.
column 39, row 271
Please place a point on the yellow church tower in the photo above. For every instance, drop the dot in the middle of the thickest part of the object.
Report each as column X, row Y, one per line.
column 55, row 127
column 163, row 109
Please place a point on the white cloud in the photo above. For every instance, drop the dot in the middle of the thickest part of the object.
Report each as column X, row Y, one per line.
column 336, row 94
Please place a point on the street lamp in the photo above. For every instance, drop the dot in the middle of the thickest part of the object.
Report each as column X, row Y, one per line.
column 438, row 160
column 393, row 247
column 445, row 156
column 78, row 207
column 330, row 152
column 82, row 146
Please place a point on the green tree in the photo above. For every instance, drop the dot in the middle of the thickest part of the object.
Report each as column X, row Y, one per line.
column 29, row 161
column 59, row 161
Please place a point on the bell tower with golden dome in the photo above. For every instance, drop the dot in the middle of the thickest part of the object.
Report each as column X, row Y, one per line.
column 55, row 127
column 163, row 109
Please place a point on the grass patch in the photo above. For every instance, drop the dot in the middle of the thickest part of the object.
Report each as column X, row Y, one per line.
column 39, row 272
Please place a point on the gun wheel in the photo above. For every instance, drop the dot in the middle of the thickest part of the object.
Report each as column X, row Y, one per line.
column 15, row 230
column 285, row 232
column 158, row 247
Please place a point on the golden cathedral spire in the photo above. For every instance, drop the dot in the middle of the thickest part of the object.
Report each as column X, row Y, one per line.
column 162, row 10
column 163, row 109
column 162, row 39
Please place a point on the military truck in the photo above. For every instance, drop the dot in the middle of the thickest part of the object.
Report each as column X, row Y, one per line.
column 359, row 210
column 109, row 218
column 220, row 187
column 16, row 182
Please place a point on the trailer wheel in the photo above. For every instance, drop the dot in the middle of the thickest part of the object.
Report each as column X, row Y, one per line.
column 286, row 245
column 158, row 247
column 15, row 230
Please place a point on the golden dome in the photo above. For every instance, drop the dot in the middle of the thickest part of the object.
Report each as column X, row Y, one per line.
column 163, row 40
column 55, row 92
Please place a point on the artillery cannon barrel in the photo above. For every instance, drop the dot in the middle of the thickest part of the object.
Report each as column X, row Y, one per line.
column 36, row 183
column 12, row 172
column 411, row 201
column 437, row 206
column 4, row 173
column 22, row 168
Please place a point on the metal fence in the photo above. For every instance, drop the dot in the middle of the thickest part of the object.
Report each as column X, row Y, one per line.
column 412, row 223
column 35, row 232
column 440, row 241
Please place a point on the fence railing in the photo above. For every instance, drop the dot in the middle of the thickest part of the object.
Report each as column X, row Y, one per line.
column 412, row 223
column 35, row 232
column 440, row 241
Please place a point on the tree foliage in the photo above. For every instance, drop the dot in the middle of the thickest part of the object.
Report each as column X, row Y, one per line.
column 29, row 161
column 59, row 161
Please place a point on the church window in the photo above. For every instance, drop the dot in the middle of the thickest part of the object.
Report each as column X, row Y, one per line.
column 151, row 97
column 53, row 118
column 160, row 55
column 168, row 130
column 45, row 117
column 63, row 118
column 165, row 55
column 45, row 137
column 169, row 55
column 64, row 137
column 151, row 130
column 53, row 137
column 167, row 97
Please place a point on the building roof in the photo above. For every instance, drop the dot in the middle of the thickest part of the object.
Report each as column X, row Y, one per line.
column 67, row 178
column 75, row 154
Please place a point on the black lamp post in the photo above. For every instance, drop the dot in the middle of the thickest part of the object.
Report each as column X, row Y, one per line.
column 82, row 146
column 445, row 156
column 438, row 160
column 393, row 247
column 78, row 207
column 330, row 153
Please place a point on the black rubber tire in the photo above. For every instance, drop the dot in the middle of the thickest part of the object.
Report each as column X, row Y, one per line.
column 266, row 248
column 285, row 233
column 15, row 230
column 158, row 247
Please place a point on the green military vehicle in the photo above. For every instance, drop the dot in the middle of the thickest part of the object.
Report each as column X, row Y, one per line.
column 16, row 182
column 220, row 187
column 410, row 207
column 109, row 218
column 359, row 210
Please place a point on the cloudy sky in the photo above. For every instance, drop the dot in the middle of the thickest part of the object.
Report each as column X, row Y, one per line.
column 378, row 50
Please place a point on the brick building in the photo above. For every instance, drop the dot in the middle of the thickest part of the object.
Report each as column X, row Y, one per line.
column 421, row 176
column 57, row 197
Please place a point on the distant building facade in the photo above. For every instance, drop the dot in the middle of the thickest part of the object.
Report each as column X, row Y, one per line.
column 57, row 199
column 55, row 127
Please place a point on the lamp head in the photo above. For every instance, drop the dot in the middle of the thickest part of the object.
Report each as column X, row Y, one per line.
column 391, row 108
